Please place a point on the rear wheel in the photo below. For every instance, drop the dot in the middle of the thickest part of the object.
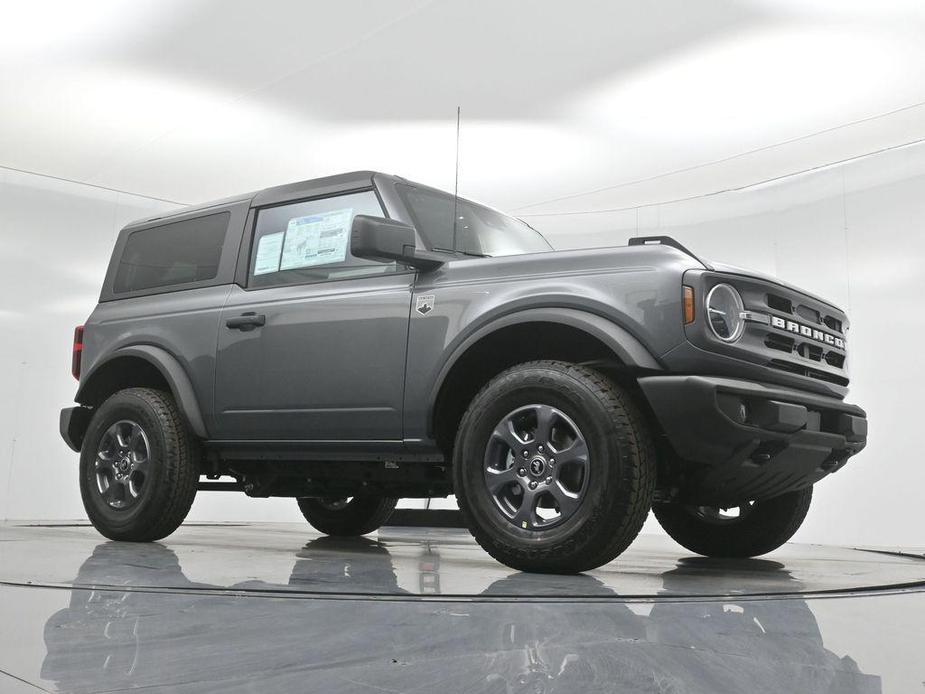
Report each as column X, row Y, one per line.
column 553, row 468
column 756, row 528
column 139, row 466
column 347, row 516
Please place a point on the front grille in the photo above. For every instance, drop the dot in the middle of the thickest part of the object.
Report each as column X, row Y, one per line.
column 804, row 313
column 807, row 313
column 779, row 342
column 808, row 351
column 785, row 329
column 779, row 303
column 807, row 371
column 804, row 349
column 801, row 334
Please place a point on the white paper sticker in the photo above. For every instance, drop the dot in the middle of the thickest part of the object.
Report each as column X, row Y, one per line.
column 320, row 239
column 269, row 249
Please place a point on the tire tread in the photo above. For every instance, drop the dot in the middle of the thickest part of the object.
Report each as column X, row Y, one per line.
column 604, row 541
column 771, row 523
column 173, row 497
column 365, row 517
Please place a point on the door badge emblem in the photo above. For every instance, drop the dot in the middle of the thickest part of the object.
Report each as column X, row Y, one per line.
column 424, row 304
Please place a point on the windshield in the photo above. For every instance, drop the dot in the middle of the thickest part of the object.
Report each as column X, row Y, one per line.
column 479, row 230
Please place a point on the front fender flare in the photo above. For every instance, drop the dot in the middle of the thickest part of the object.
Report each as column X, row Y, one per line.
column 180, row 385
column 625, row 346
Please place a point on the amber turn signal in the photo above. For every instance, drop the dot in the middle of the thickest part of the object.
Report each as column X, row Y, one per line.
column 688, row 305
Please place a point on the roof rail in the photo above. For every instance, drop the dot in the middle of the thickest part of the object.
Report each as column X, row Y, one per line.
column 667, row 241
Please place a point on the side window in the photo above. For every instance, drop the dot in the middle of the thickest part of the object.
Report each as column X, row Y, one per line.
column 309, row 241
column 172, row 254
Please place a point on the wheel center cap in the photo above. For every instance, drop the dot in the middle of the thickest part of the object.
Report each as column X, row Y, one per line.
column 537, row 466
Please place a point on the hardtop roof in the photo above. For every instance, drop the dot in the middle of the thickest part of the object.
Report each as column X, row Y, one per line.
column 271, row 195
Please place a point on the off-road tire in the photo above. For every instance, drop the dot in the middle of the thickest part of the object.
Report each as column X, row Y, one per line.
column 170, row 486
column 360, row 516
column 769, row 524
column 621, row 468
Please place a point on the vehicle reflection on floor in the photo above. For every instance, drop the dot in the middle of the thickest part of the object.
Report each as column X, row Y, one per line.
column 126, row 632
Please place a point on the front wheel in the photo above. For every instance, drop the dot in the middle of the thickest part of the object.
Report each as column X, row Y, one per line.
column 347, row 516
column 553, row 468
column 755, row 528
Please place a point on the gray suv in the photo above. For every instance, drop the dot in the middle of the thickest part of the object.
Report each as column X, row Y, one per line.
column 352, row 340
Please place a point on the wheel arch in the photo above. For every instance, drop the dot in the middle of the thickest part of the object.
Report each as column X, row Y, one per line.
column 143, row 365
column 526, row 335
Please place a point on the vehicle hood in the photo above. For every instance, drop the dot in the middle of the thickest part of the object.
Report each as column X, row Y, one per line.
column 728, row 269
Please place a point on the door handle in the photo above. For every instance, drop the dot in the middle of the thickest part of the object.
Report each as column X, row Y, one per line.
column 246, row 321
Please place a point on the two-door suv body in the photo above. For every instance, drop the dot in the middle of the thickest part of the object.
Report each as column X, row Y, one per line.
column 351, row 340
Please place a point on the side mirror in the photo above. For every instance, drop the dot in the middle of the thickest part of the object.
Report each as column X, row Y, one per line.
column 378, row 238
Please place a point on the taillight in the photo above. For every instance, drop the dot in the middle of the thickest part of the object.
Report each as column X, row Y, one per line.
column 77, row 351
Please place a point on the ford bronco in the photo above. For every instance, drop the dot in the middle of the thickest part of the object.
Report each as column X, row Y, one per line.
column 356, row 339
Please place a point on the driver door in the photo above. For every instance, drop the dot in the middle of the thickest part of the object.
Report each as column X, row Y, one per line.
column 313, row 349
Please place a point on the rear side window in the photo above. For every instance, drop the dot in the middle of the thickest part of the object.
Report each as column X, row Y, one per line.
column 172, row 254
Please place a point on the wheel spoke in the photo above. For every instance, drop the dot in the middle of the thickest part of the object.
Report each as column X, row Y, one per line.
column 333, row 503
column 545, row 419
column 566, row 500
column 139, row 455
column 498, row 479
column 122, row 493
column 140, row 465
column 121, row 440
column 132, row 489
column 526, row 514
column 505, row 432
column 102, row 463
column 136, row 438
column 104, row 452
column 722, row 515
column 576, row 451
column 110, row 494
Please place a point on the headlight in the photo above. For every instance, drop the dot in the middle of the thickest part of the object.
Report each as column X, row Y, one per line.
column 724, row 313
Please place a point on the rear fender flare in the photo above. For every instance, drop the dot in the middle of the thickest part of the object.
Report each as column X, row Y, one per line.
column 170, row 368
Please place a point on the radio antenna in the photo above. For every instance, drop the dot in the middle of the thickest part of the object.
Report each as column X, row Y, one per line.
column 456, row 186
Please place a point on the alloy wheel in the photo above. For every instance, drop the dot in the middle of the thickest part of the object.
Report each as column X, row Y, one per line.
column 122, row 464
column 722, row 515
column 536, row 467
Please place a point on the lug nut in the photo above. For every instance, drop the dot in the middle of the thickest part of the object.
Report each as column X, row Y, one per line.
column 540, row 447
column 526, row 453
column 552, row 461
column 549, row 480
column 521, row 472
column 533, row 485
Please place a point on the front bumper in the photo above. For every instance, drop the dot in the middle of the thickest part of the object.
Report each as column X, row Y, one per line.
column 740, row 440
column 73, row 423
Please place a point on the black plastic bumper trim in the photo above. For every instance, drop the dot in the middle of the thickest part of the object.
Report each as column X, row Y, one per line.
column 744, row 440
column 72, row 424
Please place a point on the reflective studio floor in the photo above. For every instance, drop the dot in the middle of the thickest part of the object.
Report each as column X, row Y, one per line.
column 277, row 608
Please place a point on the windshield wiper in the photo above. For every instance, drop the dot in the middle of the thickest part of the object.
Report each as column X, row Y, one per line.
column 475, row 255
column 471, row 255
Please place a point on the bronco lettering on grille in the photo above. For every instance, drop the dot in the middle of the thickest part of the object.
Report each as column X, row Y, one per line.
column 807, row 331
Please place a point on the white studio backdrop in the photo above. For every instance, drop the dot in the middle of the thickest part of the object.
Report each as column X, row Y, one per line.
column 850, row 232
